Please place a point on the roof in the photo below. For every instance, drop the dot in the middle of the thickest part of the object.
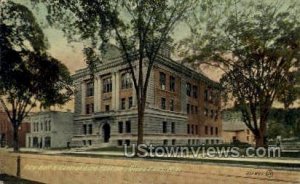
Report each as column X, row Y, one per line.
column 114, row 58
column 234, row 125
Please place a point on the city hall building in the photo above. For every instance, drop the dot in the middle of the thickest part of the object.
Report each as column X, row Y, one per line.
column 182, row 107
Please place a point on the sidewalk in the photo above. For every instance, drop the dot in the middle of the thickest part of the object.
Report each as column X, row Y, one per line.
column 280, row 160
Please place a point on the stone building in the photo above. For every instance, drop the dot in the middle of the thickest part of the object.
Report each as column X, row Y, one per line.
column 50, row 129
column 6, row 131
column 182, row 107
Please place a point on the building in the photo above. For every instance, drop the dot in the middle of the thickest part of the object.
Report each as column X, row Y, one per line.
column 182, row 107
column 236, row 130
column 50, row 129
column 6, row 131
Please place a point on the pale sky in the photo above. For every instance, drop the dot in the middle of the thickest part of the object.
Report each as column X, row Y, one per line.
column 71, row 53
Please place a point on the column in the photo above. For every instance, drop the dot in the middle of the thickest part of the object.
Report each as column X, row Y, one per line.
column 96, row 95
column 113, row 95
column 83, row 95
column 117, row 91
column 133, row 96
column 100, row 94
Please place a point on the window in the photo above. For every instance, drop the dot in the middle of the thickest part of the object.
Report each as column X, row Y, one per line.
column 206, row 95
column 172, row 83
column 123, row 103
column 173, row 127
column 92, row 107
column 211, row 113
column 126, row 81
column 188, row 89
column 188, row 129
column 192, row 109
column 128, row 127
column 37, row 127
column 196, row 129
column 107, row 85
column 211, row 130
column 165, row 142
column 188, row 108
column 120, row 127
column 42, row 127
column 217, row 131
column 127, row 142
column 84, row 129
column 163, row 103
column 162, row 80
column 164, row 127
column 173, row 142
column 46, row 125
column 130, row 102
column 90, row 129
column 84, row 142
column 196, row 109
column 171, row 105
column 120, row 142
column 192, row 129
column 195, row 91
column 216, row 115
column 49, row 125
column 106, row 108
column 90, row 142
column 206, row 112
column 87, row 108
column 206, row 130
column 89, row 89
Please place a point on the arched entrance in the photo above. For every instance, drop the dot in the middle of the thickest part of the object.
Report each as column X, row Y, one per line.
column 106, row 132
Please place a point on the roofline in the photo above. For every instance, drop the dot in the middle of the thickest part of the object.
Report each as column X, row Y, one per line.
column 179, row 67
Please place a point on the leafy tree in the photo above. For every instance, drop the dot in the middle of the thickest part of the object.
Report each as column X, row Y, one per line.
column 139, row 27
column 28, row 75
column 256, row 44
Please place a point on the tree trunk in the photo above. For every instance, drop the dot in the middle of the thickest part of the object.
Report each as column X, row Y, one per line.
column 141, row 113
column 260, row 139
column 16, row 138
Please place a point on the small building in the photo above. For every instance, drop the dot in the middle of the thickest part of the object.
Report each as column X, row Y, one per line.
column 6, row 131
column 236, row 130
column 50, row 129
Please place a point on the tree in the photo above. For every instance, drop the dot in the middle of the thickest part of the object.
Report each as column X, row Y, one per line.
column 139, row 27
column 28, row 75
column 256, row 44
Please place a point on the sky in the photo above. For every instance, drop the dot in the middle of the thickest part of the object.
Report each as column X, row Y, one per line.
column 71, row 53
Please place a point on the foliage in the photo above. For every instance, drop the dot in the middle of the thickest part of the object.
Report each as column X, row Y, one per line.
column 140, row 28
column 257, row 47
column 28, row 75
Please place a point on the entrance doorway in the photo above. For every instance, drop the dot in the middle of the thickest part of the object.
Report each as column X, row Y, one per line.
column 106, row 132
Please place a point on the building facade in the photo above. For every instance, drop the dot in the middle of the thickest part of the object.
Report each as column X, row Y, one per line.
column 50, row 129
column 6, row 131
column 182, row 107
